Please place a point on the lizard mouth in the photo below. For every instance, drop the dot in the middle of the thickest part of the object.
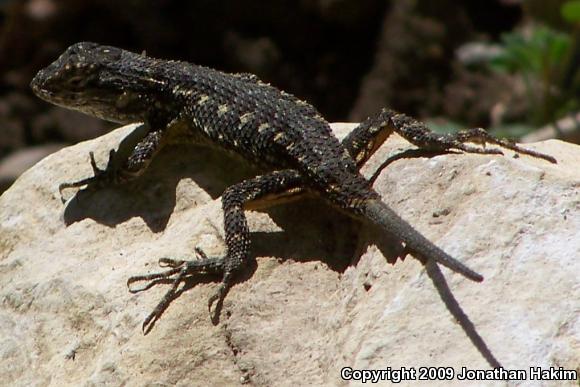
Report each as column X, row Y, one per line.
column 44, row 94
column 38, row 87
column 50, row 96
column 41, row 88
column 47, row 89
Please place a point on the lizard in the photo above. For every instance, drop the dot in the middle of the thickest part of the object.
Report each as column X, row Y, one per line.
column 288, row 137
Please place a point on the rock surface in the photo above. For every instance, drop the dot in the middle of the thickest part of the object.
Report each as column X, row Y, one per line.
column 322, row 295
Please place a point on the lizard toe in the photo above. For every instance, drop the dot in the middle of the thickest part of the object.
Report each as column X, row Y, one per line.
column 178, row 272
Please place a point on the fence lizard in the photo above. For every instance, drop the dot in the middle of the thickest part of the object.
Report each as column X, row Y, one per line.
column 242, row 114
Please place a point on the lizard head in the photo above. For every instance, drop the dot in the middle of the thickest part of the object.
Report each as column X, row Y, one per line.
column 87, row 77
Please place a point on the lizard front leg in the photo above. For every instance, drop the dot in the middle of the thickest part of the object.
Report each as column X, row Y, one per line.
column 132, row 167
column 258, row 192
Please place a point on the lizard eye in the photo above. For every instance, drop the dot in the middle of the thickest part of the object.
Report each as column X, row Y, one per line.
column 76, row 81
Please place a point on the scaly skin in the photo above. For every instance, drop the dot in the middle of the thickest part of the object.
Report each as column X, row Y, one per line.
column 238, row 112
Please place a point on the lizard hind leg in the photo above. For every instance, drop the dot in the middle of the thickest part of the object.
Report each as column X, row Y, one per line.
column 179, row 269
column 258, row 192
column 417, row 133
column 365, row 139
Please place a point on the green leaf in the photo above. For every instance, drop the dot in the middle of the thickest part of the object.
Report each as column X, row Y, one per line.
column 444, row 126
column 559, row 47
column 513, row 131
column 571, row 11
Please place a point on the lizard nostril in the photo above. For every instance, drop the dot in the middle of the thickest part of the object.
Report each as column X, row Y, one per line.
column 36, row 81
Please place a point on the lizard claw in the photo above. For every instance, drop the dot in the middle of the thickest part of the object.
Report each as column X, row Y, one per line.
column 219, row 295
column 153, row 278
column 482, row 137
column 177, row 272
column 169, row 262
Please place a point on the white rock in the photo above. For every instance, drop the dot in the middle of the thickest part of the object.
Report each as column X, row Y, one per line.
column 66, row 317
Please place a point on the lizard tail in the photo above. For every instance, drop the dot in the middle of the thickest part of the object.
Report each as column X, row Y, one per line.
column 381, row 214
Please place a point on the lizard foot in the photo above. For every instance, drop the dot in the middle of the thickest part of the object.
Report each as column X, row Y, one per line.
column 100, row 178
column 178, row 271
column 482, row 137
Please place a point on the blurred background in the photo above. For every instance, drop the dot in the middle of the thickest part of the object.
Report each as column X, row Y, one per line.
column 511, row 66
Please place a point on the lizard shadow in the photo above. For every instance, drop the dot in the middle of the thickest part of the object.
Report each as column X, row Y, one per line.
column 452, row 305
column 152, row 196
column 365, row 235
column 319, row 233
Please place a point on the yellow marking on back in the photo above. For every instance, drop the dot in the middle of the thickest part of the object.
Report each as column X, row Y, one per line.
column 246, row 117
column 223, row 109
column 203, row 99
column 263, row 127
